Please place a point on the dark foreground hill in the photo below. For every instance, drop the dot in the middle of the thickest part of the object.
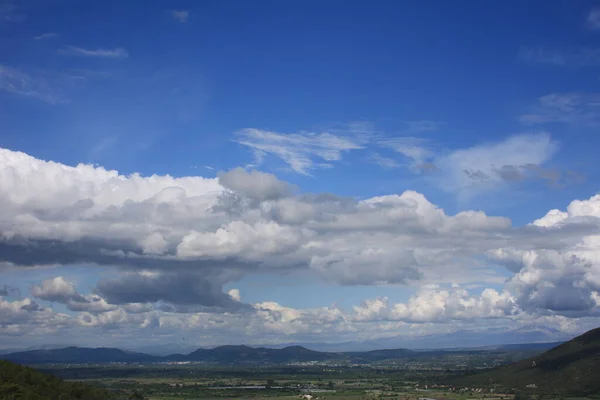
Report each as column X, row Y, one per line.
column 571, row 368
column 19, row 382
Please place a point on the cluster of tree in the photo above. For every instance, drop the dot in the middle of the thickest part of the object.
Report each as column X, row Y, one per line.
column 19, row 382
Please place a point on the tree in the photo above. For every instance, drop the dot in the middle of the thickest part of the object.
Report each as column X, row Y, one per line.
column 135, row 395
column 522, row 396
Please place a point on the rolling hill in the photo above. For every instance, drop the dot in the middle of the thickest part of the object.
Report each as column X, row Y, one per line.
column 245, row 355
column 19, row 382
column 78, row 355
column 223, row 355
column 570, row 368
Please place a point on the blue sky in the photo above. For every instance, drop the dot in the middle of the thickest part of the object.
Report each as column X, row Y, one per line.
column 484, row 106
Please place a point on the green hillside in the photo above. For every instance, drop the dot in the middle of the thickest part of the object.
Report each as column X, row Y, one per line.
column 569, row 369
column 19, row 382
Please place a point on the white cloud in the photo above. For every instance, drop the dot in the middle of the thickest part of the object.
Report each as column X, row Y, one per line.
column 299, row 150
column 101, row 53
column 239, row 222
column 235, row 294
column 178, row 241
column 466, row 172
column 180, row 15
column 439, row 305
column 560, row 278
column 434, row 304
column 26, row 317
column 433, row 309
column 254, row 184
column 372, row 309
column 489, row 166
column 56, row 290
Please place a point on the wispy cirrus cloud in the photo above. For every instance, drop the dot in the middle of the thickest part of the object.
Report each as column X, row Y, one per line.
column 593, row 20
column 417, row 126
column 417, row 149
column 466, row 172
column 383, row 162
column 11, row 13
column 20, row 83
column 47, row 35
column 101, row 53
column 410, row 143
column 302, row 151
column 573, row 108
column 561, row 57
column 48, row 86
column 181, row 15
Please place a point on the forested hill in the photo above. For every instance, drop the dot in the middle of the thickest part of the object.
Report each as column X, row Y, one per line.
column 19, row 382
column 245, row 355
column 571, row 368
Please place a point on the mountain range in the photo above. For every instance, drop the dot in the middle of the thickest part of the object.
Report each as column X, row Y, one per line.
column 461, row 339
column 230, row 355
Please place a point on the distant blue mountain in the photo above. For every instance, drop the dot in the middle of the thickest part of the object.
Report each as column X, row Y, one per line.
column 236, row 355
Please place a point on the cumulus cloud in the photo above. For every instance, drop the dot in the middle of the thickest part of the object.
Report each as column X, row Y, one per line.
column 255, row 184
column 216, row 230
column 178, row 241
column 57, row 290
column 436, row 304
column 235, row 294
column 558, row 278
column 58, row 214
column 26, row 317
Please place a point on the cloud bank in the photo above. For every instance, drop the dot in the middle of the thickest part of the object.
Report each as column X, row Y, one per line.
column 177, row 241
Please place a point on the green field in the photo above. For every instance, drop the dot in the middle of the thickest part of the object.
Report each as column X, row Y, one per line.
column 194, row 382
